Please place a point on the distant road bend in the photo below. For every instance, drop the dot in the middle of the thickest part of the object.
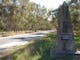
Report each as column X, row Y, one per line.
column 22, row 39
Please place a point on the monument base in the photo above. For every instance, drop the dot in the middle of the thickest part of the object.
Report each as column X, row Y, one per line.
column 61, row 53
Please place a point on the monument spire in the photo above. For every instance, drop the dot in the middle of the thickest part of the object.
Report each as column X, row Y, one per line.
column 65, row 4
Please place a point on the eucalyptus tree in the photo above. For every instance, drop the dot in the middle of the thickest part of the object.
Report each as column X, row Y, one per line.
column 22, row 15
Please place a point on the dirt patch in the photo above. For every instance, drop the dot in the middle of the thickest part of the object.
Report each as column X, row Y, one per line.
column 12, row 33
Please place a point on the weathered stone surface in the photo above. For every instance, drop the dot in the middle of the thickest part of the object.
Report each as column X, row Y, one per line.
column 65, row 44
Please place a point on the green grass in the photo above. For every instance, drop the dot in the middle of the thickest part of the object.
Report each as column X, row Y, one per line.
column 77, row 40
column 40, row 50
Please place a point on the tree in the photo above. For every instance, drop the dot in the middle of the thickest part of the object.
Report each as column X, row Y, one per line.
column 22, row 15
column 75, row 13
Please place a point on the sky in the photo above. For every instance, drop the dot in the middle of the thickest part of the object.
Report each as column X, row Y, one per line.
column 50, row 4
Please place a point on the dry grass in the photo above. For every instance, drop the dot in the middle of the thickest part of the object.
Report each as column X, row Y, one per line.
column 11, row 33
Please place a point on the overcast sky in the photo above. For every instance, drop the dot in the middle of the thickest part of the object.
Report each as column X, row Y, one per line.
column 50, row 4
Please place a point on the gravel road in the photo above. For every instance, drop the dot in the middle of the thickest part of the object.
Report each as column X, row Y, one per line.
column 22, row 39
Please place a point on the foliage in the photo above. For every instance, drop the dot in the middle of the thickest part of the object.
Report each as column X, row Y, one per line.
column 22, row 15
column 77, row 39
column 75, row 13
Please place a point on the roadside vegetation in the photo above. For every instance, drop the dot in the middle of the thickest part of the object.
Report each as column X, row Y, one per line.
column 40, row 50
column 20, row 15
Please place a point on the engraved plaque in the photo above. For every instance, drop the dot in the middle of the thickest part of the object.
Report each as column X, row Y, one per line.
column 66, row 37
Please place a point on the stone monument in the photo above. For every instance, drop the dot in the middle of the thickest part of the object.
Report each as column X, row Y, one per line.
column 65, row 44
